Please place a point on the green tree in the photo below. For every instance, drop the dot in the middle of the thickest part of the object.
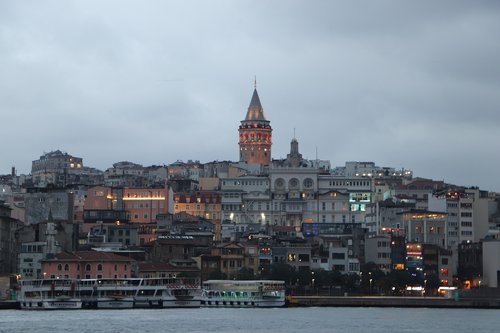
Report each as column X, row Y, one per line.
column 246, row 274
column 217, row 275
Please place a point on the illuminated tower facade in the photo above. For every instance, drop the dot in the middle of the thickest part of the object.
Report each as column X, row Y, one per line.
column 255, row 134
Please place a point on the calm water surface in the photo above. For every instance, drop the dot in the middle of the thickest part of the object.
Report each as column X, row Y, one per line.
column 304, row 320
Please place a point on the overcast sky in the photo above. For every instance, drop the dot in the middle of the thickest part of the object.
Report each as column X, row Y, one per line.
column 406, row 84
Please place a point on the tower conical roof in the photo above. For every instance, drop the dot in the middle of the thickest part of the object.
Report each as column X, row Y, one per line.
column 255, row 110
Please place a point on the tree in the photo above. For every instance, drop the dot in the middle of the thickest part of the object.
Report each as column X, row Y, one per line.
column 246, row 274
column 371, row 275
column 351, row 282
column 432, row 283
column 279, row 271
column 217, row 275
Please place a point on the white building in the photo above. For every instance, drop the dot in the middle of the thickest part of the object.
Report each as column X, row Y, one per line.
column 246, row 200
column 467, row 214
column 491, row 263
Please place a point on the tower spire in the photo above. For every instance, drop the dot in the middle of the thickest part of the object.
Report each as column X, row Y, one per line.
column 255, row 82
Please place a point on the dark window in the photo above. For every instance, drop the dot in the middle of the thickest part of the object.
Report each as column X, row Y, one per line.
column 338, row 255
column 303, row 257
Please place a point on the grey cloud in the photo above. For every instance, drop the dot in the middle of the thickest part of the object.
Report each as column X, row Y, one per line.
column 403, row 84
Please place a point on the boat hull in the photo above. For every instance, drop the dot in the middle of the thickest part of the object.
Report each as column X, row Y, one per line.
column 126, row 303
column 181, row 303
column 48, row 304
column 241, row 303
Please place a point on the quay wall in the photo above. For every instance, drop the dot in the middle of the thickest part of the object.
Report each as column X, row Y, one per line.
column 9, row 305
column 398, row 302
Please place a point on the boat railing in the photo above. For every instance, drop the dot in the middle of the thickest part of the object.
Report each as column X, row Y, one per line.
column 230, row 294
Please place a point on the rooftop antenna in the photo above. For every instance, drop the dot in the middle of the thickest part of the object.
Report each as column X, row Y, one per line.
column 294, row 132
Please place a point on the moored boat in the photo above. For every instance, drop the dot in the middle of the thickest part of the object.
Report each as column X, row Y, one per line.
column 49, row 294
column 112, row 293
column 139, row 293
column 253, row 293
column 182, row 293
column 108, row 293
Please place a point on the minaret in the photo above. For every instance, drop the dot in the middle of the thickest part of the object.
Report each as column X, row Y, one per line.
column 255, row 134
column 50, row 234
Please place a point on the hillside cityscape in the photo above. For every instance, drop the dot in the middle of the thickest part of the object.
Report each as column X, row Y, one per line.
column 359, row 228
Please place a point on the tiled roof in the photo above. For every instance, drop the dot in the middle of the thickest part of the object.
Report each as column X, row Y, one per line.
column 164, row 267
column 88, row 256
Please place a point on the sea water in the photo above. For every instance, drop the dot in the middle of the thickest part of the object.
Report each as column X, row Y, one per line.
column 278, row 320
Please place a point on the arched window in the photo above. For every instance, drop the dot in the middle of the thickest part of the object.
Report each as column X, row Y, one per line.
column 308, row 183
column 66, row 267
column 59, row 267
column 88, row 267
column 99, row 267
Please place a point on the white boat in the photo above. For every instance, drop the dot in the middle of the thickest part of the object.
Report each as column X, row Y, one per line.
column 139, row 293
column 182, row 293
column 49, row 294
column 253, row 293
column 108, row 293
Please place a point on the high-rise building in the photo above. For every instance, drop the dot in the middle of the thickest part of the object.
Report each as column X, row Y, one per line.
column 255, row 134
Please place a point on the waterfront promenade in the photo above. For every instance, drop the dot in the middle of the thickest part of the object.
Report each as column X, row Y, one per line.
column 397, row 302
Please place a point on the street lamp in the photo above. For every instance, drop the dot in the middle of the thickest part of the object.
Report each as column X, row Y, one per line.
column 370, row 280
column 312, row 282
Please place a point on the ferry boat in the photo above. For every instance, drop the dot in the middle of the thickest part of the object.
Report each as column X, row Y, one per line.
column 53, row 294
column 184, row 295
column 139, row 293
column 108, row 293
column 253, row 293
column 111, row 293
column 168, row 293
